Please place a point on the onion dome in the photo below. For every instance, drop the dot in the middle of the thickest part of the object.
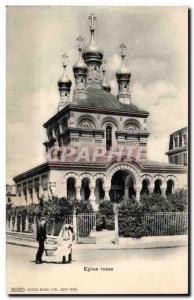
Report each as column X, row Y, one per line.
column 105, row 84
column 80, row 64
column 123, row 70
column 64, row 84
column 80, row 70
column 92, row 53
column 123, row 78
column 64, row 80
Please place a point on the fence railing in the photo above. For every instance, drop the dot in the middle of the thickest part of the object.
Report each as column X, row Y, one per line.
column 54, row 228
column 86, row 222
column 156, row 224
column 166, row 223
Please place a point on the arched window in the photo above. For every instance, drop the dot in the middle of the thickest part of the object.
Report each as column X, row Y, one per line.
column 157, row 186
column 145, row 189
column 108, row 137
column 170, row 186
column 71, row 191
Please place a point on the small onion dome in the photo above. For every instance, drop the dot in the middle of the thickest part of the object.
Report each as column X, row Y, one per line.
column 64, row 81
column 80, row 64
column 123, row 70
column 92, row 52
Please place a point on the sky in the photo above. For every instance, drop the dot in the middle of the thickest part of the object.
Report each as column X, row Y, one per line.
column 37, row 37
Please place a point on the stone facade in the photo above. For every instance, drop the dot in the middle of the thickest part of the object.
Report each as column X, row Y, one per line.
column 178, row 145
column 96, row 144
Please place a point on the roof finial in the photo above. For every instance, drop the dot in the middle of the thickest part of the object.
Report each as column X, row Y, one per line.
column 123, row 50
column 92, row 19
column 65, row 58
column 80, row 42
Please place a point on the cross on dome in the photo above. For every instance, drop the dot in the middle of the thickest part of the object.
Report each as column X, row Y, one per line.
column 92, row 19
column 123, row 50
column 65, row 58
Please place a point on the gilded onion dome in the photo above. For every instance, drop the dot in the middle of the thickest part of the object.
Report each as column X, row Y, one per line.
column 64, row 84
column 123, row 78
column 80, row 64
column 123, row 70
column 92, row 53
column 64, row 80
column 80, row 70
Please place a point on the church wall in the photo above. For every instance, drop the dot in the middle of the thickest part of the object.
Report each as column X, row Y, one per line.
column 61, row 177
column 89, row 130
column 26, row 190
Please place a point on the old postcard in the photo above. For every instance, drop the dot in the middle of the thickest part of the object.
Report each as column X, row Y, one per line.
column 97, row 150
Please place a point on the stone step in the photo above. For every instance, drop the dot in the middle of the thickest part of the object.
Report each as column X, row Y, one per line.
column 87, row 240
column 24, row 236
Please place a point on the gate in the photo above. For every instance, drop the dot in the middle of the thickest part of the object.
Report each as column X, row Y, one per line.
column 86, row 228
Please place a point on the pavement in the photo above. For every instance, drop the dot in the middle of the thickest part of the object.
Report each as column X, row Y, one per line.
column 127, row 271
column 106, row 242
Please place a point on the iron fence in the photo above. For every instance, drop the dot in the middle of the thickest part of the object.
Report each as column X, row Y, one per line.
column 166, row 223
column 54, row 227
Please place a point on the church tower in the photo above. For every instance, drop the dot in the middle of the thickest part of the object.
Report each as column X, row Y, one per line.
column 80, row 73
column 92, row 56
column 64, row 84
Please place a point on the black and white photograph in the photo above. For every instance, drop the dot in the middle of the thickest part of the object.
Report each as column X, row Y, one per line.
column 97, row 150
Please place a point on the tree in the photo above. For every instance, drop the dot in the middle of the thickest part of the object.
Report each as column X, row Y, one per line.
column 130, row 219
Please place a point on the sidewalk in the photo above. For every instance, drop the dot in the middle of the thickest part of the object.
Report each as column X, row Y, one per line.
column 124, row 243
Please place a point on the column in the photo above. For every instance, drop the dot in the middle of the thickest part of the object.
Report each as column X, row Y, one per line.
column 52, row 188
column 116, row 237
column 151, row 188
column 16, row 219
column 27, row 224
column 93, row 198
column 11, row 227
column 75, row 224
column 65, row 189
column 41, row 192
column 126, row 192
column 163, row 189
column 138, row 190
column 106, row 192
column 77, row 190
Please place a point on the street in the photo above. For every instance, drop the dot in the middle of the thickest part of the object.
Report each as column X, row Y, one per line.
column 134, row 271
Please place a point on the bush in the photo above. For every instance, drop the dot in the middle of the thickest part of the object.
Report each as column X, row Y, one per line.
column 130, row 219
column 57, row 208
column 105, row 216
column 155, row 203
column 176, row 201
column 83, row 207
column 99, row 222
column 110, row 223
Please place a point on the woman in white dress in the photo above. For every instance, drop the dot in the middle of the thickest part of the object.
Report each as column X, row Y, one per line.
column 64, row 243
column 64, row 246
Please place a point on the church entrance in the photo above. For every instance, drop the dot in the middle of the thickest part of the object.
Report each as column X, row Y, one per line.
column 122, row 186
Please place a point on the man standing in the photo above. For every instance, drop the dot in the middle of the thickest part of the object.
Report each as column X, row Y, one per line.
column 41, row 237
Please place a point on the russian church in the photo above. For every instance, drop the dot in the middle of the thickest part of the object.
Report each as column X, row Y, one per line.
column 96, row 145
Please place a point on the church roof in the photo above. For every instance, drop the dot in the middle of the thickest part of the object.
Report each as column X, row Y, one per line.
column 101, row 99
column 144, row 166
column 155, row 165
